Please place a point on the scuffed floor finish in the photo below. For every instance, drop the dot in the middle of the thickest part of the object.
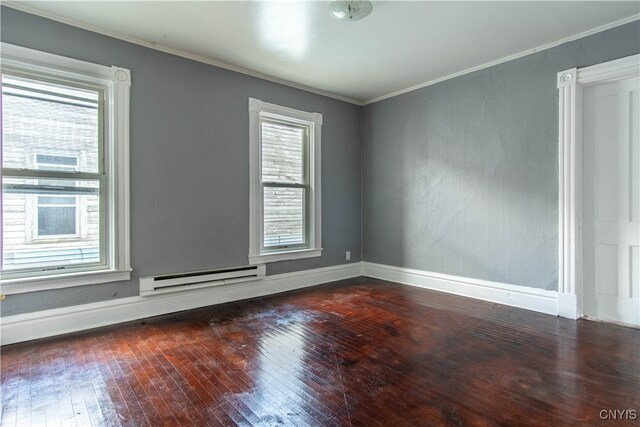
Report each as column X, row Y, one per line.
column 358, row 352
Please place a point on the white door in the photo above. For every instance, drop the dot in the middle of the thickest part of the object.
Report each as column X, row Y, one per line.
column 611, row 201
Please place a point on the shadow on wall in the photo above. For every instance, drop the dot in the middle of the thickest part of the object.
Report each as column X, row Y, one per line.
column 467, row 214
column 460, row 199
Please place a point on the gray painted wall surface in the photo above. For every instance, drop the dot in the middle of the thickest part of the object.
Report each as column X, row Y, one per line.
column 190, row 161
column 461, row 177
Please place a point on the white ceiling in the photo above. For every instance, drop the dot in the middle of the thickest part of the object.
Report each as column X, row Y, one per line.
column 399, row 46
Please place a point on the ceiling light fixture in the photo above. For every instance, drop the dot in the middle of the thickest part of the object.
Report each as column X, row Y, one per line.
column 350, row 10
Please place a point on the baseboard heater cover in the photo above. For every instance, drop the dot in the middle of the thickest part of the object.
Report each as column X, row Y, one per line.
column 154, row 285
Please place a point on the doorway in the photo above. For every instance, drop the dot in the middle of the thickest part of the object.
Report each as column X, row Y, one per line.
column 599, row 191
column 611, row 201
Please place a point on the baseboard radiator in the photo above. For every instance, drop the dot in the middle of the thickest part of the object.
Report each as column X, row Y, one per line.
column 199, row 279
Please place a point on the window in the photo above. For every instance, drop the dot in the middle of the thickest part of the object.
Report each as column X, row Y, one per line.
column 285, row 183
column 57, row 215
column 64, row 171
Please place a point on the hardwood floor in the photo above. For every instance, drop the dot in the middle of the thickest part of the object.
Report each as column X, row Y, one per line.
column 357, row 352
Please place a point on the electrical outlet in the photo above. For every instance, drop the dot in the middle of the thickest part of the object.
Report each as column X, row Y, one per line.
column 348, row 255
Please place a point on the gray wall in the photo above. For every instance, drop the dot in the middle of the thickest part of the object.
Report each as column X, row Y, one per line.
column 462, row 177
column 190, row 161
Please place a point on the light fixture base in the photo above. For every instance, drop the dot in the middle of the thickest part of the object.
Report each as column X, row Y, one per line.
column 350, row 10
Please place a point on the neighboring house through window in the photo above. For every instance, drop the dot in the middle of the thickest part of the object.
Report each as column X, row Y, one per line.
column 57, row 215
column 65, row 171
column 285, row 183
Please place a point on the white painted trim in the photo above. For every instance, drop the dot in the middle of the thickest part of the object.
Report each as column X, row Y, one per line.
column 57, row 321
column 177, row 52
column 30, row 326
column 119, row 164
column 568, row 306
column 285, row 256
column 570, row 85
column 540, row 300
column 257, row 106
column 27, row 9
column 115, row 82
column 618, row 69
column 313, row 121
column 567, row 227
column 508, row 58
column 31, row 61
column 34, row 284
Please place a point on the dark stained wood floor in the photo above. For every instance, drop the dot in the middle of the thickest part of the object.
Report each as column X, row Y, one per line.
column 358, row 352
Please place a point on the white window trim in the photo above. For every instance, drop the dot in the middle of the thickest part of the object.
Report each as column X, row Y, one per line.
column 117, row 82
column 314, row 120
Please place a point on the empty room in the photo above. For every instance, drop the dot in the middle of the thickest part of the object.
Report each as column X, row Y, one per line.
column 320, row 213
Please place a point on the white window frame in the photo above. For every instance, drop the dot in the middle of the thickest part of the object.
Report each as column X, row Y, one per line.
column 31, row 224
column 115, row 83
column 258, row 110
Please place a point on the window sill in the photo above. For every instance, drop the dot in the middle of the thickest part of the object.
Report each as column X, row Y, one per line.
column 44, row 283
column 50, row 240
column 284, row 256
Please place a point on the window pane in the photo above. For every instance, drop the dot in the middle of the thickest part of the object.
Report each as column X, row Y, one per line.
column 49, row 226
column 282, row 153
column 283, row 216
column 44, row 159
column 56, row 221
column 40, row 117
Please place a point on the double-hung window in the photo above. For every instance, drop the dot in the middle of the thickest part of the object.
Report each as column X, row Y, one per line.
column 65, row 169
column 285, row 183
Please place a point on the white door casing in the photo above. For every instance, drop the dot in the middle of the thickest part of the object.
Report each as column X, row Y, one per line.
column 571, row 84
column 611, row 193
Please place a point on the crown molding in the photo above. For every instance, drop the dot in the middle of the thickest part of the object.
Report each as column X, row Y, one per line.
column 508, row 58
column 177, row 52
column 27, row 9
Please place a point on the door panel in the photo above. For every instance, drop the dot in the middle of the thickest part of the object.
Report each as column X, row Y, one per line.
column 611, row 197
column 635, row 273
column 607, row 269
column 634, row 158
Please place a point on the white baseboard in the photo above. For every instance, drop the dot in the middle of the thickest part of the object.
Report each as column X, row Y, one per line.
column 57, row 321
column 540, row 300
column 568, row 306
